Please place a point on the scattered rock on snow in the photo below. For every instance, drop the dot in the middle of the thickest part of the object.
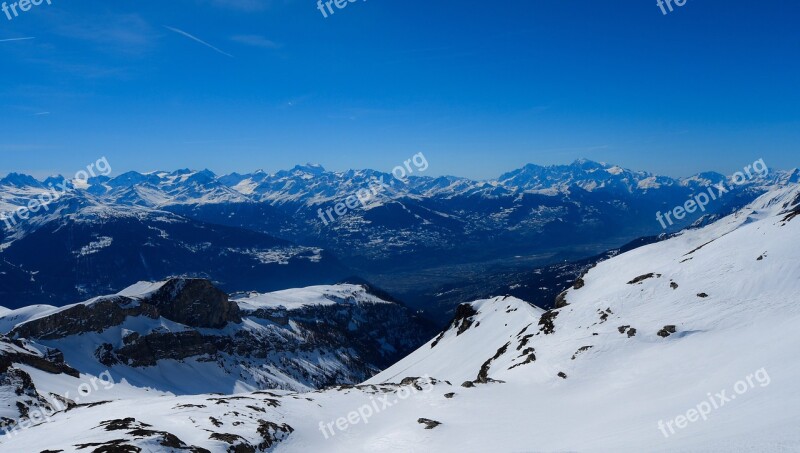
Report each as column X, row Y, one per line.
column 429, row 424
column 667, row 331
column 581, row 350
column 642, row 278
column 546, row 321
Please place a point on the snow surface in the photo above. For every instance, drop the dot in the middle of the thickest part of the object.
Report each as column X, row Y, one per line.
column 292, row 299
column 734, row 306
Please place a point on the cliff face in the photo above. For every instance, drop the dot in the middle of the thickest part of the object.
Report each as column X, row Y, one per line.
column 331, row 335
column 195, row 303
column 192, row 302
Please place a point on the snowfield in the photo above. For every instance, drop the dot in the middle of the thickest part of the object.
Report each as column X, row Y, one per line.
column 638, row 343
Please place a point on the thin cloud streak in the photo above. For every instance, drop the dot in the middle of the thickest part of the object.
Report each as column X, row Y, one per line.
column 194, row 38
column 16, row 39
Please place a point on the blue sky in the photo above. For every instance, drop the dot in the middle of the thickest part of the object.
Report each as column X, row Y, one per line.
column 479, row 87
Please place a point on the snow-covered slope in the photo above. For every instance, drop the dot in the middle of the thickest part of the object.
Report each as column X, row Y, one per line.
column 702, row 323
column 645, row 337
column 292, row 299
column 156, row 335
column 480, row 329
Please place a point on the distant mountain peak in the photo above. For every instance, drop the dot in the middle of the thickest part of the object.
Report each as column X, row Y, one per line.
column 315, row 169
column 20, row 180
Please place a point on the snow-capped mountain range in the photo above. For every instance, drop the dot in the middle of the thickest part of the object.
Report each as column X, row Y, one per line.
column 262, row 231
column 639, row 347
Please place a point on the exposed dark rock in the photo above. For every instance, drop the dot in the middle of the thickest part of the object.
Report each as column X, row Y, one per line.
column 581, row 350
column 163, row 438
column 641, row 278
column 449, row 395
column 604, row 314
column 673, row 285
column 531, row 357
column 702, row 295
column 793, row 212
column 524, row 341
column 113, row 446
column 148, row 349
column 561, row 300
column 227, row 438
column 429, row 424
column 667, row 331
column 105, row 355
column 461, row 321
column 698, row 248
column 562, row 375
column 468, row 384
column 272, row 433
column 631, row 331
column 51, row 363
column 97, row 317
column 195, row 303
column 547, row 322
column 415, row 381
column 463, row 318
column 483, row 374
column 122, row 424
column 579, row 283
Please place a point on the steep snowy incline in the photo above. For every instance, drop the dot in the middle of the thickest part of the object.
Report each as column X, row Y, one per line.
column 480, row 330
column 645, row 338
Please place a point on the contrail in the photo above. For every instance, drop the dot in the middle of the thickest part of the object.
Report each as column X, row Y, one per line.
column 16, row 39
column 194, row 38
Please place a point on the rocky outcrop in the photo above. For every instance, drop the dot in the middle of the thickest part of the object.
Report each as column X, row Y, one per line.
column 147, row 350
column 313, row 346
column 429, row 424
column 17, row 351
column 192, row 302
column 195, row 303
column 547, row 322
column 19, row 394
column 667, row 331
column 462, row 321
column 95, row 316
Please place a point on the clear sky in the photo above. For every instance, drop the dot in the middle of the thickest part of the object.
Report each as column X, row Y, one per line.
column 480, row 87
